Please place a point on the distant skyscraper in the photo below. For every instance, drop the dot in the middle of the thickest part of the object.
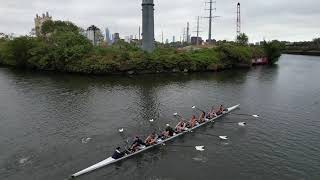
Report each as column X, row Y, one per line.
column 173, row 39
column 108, row 37
column 116, row 37
column 167, row 41
column 147, row 25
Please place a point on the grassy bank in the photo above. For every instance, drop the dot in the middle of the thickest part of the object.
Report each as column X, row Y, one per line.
column 63, row 48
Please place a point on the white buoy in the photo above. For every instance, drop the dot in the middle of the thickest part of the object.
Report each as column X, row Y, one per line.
column 200, row 148
column 223, row 137
column 85, row 140
column 121, row 130
column 242, row 123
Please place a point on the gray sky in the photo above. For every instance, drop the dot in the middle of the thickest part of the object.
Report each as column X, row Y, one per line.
column 293, row 20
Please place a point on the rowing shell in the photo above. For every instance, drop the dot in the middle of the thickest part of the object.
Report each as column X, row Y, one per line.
column 110, row 160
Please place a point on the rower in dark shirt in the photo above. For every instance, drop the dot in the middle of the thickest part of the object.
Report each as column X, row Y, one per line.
column 136, row 144
column 169, row 132
column 118, row 154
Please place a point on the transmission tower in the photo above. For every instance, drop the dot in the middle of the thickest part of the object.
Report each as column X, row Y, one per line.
column 211, row 17
column 198, row 30
column 238, row 20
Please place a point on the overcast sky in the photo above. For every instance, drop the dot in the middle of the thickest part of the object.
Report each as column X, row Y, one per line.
column 292, row 20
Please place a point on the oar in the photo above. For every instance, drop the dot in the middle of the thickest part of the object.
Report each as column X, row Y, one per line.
column 254, row 115
column 198, row 148
column 195, row 107
column 121, row 130
column 220, row 137
column 239, row 123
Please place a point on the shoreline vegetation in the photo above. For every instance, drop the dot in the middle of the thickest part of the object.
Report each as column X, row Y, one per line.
column 63, row 48
column 309, row 48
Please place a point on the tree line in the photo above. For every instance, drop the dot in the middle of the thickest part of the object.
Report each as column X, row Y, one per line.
column 62, row 47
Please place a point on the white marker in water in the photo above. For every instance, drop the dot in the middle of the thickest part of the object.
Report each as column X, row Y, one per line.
column 242, row 123
column 223, row 137
column 200, row 148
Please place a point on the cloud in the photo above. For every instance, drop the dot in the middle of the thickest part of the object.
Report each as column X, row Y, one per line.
column 273, row 19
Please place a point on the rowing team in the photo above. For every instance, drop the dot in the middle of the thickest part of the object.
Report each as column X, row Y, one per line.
column 182, row 126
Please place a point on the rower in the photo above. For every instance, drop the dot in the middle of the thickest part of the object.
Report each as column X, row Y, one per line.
column 169, row 132
column 193, row 121
column 181, row 126
column 136, row 144
column 212, row 113
column 202, row 117
column 118, row 154
column 221, row 109
column 151, row 139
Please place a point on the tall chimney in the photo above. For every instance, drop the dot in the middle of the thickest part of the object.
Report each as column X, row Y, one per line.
column 148, row 25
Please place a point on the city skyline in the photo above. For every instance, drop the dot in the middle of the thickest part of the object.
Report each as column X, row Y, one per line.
column 260, row 19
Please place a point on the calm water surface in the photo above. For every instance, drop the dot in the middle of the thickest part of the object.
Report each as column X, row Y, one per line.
column 54, row 125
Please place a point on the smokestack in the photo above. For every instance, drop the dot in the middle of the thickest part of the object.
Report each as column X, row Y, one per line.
column 148, row 25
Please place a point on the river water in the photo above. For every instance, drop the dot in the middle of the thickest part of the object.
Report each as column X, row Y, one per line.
column 52, row 125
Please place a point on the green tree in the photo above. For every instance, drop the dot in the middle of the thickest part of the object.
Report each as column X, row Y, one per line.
column 16, row 51
column 58, row 26
column 273, row 50
column 242, row 39
column 316, row 42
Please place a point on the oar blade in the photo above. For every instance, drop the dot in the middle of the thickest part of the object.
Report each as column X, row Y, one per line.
column 200, row 148
column 223, row 137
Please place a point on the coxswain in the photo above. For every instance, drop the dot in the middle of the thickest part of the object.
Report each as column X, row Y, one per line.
column 151, row 139
column 118, row 154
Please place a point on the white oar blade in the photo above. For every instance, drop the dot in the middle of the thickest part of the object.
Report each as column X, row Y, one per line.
column 193, row 107
column 256, row 116
column 151, row 120
column 121, row 130
column 223, row 137
column 200, row 148
column 175, row 114
column 242, row 123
